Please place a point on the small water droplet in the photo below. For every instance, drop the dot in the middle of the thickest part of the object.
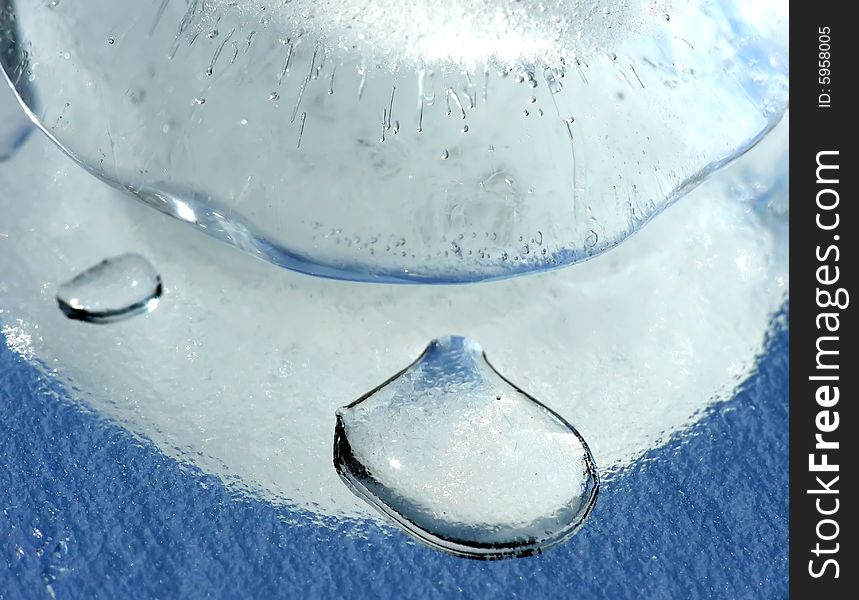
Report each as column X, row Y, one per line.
column 532, row 99
column 554, row 84
column 429, row 447
column 113, row 290
column 591, row 239
column 199, row 100
column 274, row 96
column 465, row 129
column 445, row 155
column 525, row 113
column 111, row 40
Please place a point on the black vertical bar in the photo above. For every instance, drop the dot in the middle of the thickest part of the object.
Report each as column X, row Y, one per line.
column 823, row 358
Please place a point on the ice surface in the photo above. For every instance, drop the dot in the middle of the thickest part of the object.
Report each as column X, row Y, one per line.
column 242, row 366
column 273, row 129
column 465, row 461
column 115, row 289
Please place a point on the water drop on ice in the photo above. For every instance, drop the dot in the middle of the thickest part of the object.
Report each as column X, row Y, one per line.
column 113, row 290
column 465, row 461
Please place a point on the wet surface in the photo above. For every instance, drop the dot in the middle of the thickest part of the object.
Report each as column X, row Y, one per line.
column 703, row 516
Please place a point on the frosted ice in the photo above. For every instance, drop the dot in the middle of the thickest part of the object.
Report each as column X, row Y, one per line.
column 631, row 347
column 463, row 31
column 283, row 136
column 115, row 289
column 465, row 461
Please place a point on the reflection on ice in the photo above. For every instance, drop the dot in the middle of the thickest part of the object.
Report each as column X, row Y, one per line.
column 14, row 125
column 465, row 461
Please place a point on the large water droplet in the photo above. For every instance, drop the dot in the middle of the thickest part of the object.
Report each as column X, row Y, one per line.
column 113, row 290
column 464, row 460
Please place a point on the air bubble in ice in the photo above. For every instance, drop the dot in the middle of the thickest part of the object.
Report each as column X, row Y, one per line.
column 465, row 461
column 115, row 289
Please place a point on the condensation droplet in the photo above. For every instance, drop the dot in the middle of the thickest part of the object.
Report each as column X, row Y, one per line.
column 274, row 96
column 465, row 461
column 115, row 289
column 554, row 84
column 111, row 40
column 445, row 155
column 199, row 100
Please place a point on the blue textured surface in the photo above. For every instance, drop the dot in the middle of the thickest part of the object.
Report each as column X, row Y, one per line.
column 89, row 511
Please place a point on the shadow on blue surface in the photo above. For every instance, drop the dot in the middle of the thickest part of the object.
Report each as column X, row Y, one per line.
column 89, row 511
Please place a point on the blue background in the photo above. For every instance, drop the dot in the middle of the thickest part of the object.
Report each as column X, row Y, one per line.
column 89, row 511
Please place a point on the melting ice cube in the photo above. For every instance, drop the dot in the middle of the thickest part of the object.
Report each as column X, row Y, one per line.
column 464, row 460
column 431, row 140
column 113, row 290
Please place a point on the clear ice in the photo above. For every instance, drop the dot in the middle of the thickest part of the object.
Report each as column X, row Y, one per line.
column 394, row 141
column 464, row 460
column 115, row 289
